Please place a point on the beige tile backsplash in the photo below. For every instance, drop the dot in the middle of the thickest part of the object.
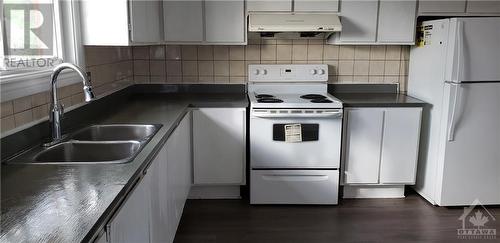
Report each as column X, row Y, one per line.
column 228, row 64
column 115, row 67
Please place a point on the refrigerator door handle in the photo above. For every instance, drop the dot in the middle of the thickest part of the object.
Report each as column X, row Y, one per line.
column 457, row 69
column 456, row 101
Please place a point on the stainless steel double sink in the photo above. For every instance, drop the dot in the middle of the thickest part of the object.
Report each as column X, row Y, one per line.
column 97, row 144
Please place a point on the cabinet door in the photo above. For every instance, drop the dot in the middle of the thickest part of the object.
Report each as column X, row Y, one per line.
column 183, row 21
column 178, row 172
column 160, row 215
column 225, row 21
column 131, row 223
column 101, row 238
column 174, row 178
column 359, row 21
column 363, row 142
column 219, row 145
column 145, row 19
column 269, row 5
column 481, row 6
column 396, row 21
column 185, row 155
column 441, row 6
column 400, row 145
column 100, row 26
column 321, row 5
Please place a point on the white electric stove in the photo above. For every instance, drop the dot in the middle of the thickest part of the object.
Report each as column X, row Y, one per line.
column 295, row 135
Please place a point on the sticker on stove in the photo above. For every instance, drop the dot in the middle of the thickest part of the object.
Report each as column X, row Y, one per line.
column 293, row 133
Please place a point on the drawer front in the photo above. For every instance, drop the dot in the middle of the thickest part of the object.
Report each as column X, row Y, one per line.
column 294, row 186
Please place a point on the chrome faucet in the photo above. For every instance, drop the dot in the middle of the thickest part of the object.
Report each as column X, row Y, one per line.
column 56, row 109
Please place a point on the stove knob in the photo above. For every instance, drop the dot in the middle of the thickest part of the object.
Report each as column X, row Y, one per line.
column 264, row 71
column 321, row 71
column 256, row 71
column 313, row 71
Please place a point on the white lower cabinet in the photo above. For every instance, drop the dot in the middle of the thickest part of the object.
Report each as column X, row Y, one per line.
column 178, row 154
column 131, row 223
column 219, row 146
column 152, row 211
column 398, row 159
column 161, row 213
column 363, row 141
column 381, row 146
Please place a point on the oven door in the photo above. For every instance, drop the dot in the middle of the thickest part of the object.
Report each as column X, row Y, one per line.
column 296, row 139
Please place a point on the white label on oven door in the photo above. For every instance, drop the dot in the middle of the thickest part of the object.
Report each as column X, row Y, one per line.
column 293, row 133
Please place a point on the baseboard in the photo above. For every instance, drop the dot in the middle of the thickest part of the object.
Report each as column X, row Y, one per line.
column 375, row 191
column 215, row 192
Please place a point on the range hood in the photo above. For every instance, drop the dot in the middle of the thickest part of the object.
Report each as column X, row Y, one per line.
column 312, row 23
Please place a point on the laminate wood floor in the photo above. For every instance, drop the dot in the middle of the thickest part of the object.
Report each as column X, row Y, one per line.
column 411, row 219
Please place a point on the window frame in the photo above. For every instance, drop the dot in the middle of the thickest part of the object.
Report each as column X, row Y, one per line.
column 15, row 84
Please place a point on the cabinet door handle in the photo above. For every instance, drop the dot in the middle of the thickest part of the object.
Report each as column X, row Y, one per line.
column 108, row 233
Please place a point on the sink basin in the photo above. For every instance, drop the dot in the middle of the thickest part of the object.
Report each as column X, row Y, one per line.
column 116, row 132
column 84, row 152
column 97, row 144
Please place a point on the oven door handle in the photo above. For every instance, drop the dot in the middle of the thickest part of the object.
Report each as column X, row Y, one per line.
column 294, row 177
column 337, row 114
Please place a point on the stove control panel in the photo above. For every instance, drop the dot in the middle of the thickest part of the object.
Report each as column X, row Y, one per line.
column 288, row 73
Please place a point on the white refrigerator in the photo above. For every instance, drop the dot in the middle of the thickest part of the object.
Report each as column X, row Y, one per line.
column 457, row 71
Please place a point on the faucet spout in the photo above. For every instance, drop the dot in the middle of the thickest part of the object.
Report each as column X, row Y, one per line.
column 56, row 110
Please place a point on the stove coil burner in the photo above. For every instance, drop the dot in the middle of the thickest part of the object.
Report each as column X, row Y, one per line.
column 324, row 100
column 313, row 97
column 259, row 96
column 269, row 100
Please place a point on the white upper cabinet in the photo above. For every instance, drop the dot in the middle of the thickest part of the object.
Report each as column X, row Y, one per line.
column 376, row 22
column 145, row 21
column 224, row 21
column 296, row 5
column 397, row 21
column 183, row 21
column 321, row 5
column 269, row 5
column 481, row 6
column 454, row 8
column 359, row 22
column 441, row 6
column 121, row 22
column 205, row 22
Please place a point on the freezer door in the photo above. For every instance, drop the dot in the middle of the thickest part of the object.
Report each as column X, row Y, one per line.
column 474, row 50
column 471, row 168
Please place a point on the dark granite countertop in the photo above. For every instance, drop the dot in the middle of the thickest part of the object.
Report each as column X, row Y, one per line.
column 378, row 100
column 71, row 203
